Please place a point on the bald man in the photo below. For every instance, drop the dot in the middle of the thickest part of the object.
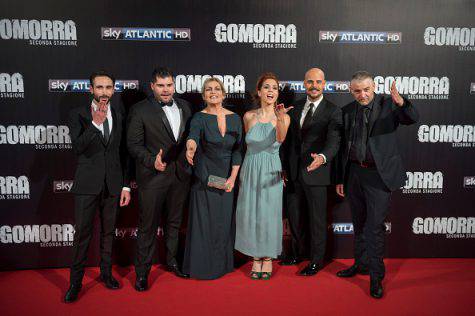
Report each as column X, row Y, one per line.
column 311, row 145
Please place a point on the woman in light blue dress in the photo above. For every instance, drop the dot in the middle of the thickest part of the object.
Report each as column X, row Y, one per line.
column 259, row 205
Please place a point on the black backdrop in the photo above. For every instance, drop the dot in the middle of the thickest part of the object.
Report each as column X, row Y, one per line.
column 49, row 48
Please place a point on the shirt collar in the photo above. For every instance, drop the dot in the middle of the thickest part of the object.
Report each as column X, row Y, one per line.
column 319, row 100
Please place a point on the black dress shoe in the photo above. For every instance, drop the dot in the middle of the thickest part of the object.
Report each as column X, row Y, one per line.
column 72, row 293
column 376, row 288
column 110, row 282
column 141, row 284
column 352, row 271
column 310, row 270
column 174, row 268
column 289, row 262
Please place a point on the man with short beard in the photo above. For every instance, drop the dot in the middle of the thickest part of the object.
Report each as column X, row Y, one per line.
column 156, row 136
column 101, row 177
column 370, row 168
column 312, row 143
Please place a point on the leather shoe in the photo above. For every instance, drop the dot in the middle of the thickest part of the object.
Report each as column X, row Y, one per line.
column 110, row 282
column 289, row 262
column 352, row 271
column 141, row 284
column 376, row 288
column 72, row 293
column 310, row 270
column 174, row 268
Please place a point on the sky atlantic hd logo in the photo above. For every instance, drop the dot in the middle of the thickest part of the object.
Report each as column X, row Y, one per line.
column 82, row 85
column 463, row 37
column 451, row 227
column 124, row 33
column 357, row 37
column 330, row 86
column 235, row 85
column 418, row 182
column 40, row 33
column 62, row 186
column 469, row 182
column 415, row 87
column 47, row 235
column 42, row 136
column 259, row 35
column 14, row 188
column 457, row 135
column 11, row 86
column 347, row 228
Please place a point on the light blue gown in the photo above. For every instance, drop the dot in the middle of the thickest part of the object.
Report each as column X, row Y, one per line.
column 259, row 205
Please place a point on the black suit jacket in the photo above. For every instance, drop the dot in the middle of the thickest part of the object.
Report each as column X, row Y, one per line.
column 322, row 136
column 98, row 161
column 384, row 121
column 149, row 131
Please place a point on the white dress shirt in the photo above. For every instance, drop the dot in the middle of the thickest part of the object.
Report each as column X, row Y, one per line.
column 173, row 116
column 305, row 110
column 101, row 126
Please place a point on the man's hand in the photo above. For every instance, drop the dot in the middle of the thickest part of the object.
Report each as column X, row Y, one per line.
column 284, row 177
column 99, row 115
column 339, row 190
column 124, row 198
column 397, row 99
column 317, row 162
column 159, row 164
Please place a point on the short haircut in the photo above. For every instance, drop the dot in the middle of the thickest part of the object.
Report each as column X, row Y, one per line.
column 362, row 75
column 161, row 72
column 100, row 73
column 211, row 80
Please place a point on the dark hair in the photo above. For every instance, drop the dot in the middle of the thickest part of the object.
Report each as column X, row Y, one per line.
column 362, row 75
column 260, row 82
column 161, row 72
column 100, row 73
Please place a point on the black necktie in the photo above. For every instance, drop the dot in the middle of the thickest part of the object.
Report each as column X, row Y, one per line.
column 308, row 116
column 105, row 125
column 362, row 120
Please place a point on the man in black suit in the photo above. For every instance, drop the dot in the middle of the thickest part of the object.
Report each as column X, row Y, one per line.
column 370, row 169
column 312, row 143
column 156, row 137
column 101, row 177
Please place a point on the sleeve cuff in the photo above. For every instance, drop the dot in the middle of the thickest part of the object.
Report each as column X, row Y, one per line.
column 324, row 158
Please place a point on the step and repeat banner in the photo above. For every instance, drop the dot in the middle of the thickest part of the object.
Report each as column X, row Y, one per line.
column 49, row 48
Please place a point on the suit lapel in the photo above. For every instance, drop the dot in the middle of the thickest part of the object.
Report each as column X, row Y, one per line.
column 375, row 112
column 114, row 125
column 164, row 118
column 351, row 117
column 182, row 121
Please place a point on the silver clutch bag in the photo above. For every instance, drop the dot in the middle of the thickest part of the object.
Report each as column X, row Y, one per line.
column 217, row 182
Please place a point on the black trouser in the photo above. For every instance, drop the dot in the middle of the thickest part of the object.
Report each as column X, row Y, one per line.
column 84, row 213
column 369, row 201
column 153, row 201
column 307, row 211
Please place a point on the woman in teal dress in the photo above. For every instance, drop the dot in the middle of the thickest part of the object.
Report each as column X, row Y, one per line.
column 259, row 205
column 213, row 148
